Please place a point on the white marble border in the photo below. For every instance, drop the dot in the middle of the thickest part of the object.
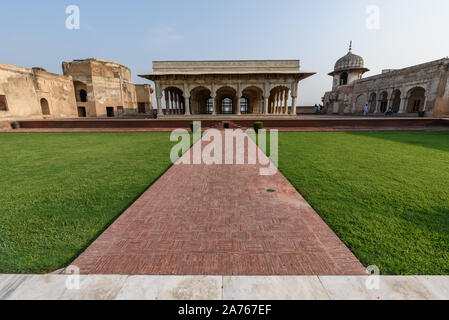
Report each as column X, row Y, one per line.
column 93, row 287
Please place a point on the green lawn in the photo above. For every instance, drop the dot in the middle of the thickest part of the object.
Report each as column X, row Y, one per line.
column 386, row 195
column 58, row 192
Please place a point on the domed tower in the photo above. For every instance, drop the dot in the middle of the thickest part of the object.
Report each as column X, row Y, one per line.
column 348, row 69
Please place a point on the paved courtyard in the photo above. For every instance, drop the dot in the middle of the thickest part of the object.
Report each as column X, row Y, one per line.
column 219, row 220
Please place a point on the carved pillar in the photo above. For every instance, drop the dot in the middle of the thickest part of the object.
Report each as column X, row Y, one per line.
column 294, row 105
column 390, row 103
column 170, row 103
column 239, row 96
column 186, row 95
column 173, row 108
column 187, row 104
column 294, row 94
column 159, row 99
column 426, row 98
column 278, row 102
column 286, row 102
column 379, row 102
column 167, row 100
column 214, row 111
column 266, row 105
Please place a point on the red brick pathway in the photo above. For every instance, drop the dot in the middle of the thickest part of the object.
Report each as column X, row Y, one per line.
column 219, row 220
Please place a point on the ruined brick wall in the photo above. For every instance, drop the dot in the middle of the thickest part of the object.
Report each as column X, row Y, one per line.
column 144, row 94
column 431, row 76
column 108, row 85
column 59, row 92
column 81, row 73
column 24, row 88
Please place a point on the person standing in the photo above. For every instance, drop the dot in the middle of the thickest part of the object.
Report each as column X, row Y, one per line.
column 365, row 110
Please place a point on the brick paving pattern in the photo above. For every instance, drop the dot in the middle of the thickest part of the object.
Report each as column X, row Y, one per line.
column 219, row 220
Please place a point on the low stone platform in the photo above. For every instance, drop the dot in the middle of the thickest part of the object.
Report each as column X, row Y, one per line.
column 60, row 287
column 281, row 123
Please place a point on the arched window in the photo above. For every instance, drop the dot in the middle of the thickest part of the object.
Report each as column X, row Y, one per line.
column 3, row 103
column 226, row 105
column 210, row 106
column 344, row 79
column 244, row 105
column 416, row 99
column 45, row 107
column 83, row 95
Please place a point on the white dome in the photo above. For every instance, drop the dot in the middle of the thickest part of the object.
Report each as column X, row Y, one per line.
column 348, row 62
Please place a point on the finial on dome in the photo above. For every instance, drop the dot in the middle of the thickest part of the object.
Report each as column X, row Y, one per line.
column 350, row 46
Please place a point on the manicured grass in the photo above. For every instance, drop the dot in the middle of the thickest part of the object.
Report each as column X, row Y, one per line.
column 58, row 192
column 386, row 195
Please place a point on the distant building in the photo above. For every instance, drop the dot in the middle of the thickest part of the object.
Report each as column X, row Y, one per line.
column 255, row 87
column 423, row 87
column 88, row 88
column 104, row 88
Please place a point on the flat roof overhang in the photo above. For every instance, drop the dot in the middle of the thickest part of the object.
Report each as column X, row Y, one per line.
column 154, row 76
column 333, row 73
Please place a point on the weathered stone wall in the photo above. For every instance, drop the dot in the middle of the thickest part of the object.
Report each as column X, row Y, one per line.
column 59, row 92
column 23, row 89
column 81, row 73
column 90, row 85
column 144, row 94
column 108, row 85
column 432, row 77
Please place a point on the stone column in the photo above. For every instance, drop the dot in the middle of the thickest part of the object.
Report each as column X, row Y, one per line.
column 170, row 103
column 266, row 106
column 173, row 108
column 214, row 111
column 403, row 105
column 186, row 94
column 277, row 103
column 379, row 102
column 390, row 103
column 167, row 100
column 239, row 96
column 186, row 105
column 293, row 112
column 294, row 95
column 286, row 102
column 159, row 99
column 426, row 98
column 159, row 105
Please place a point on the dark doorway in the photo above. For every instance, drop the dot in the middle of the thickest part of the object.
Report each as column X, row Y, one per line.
column 3, row 103
column 141, row 107
column 110, row 111
column 344, row 79
column 83, row 95
column 82, row 112
column 45, row 107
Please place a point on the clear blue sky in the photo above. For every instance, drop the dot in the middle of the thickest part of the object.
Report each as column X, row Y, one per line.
column 136, row 32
